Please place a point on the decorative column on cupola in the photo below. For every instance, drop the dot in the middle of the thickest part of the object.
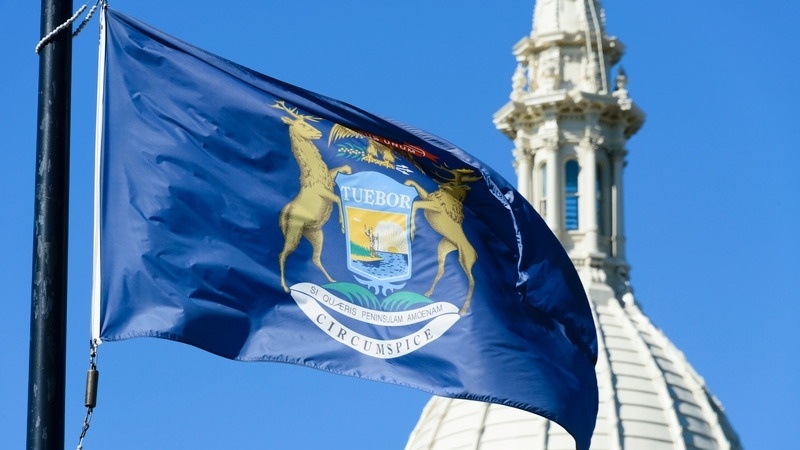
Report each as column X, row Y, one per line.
column 570, row 122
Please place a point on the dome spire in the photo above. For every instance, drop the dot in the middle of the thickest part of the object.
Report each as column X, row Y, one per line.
column 567, row 16
column 567, row 23
column 570, row 122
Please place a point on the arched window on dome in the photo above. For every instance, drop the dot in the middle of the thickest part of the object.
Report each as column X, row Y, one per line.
column 543, row 190
column 571, row 171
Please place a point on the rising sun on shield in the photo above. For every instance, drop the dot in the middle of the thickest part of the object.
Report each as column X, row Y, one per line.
column 377, row 213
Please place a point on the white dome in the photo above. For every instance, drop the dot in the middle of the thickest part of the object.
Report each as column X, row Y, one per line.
column 650, row 398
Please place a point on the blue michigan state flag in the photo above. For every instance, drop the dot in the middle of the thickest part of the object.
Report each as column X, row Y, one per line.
column 263, row 222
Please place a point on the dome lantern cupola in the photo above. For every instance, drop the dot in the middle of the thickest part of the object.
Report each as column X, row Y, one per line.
column 570, row 132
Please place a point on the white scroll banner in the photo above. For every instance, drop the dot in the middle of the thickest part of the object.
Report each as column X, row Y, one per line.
column 440, row 316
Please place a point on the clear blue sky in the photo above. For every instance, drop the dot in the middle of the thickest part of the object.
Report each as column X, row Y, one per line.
column 711, row 200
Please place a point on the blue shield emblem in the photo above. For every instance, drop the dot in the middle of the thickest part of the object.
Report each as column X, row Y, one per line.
column 377, row 218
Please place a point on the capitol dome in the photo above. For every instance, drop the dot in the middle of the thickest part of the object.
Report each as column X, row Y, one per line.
column 650, row 399
column 570, row 122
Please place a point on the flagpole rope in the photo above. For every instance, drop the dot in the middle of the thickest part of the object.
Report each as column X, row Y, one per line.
column 49, row 37
column 87, row 18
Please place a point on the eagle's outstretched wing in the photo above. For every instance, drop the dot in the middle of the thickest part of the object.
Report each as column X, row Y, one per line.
column 376, row 152
column 341, row 132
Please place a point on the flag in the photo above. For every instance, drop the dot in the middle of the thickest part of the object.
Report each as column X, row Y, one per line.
column 263, row 222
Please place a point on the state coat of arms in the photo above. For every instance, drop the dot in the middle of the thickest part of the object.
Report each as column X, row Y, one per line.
column 377, row 215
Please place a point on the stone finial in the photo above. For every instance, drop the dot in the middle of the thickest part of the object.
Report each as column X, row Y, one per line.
column 518, row 82
column 621, row 80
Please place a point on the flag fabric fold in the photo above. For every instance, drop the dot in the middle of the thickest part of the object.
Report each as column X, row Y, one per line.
column 260, row 221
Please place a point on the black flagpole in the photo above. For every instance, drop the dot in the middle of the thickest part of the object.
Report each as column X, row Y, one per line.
column 47, row 363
